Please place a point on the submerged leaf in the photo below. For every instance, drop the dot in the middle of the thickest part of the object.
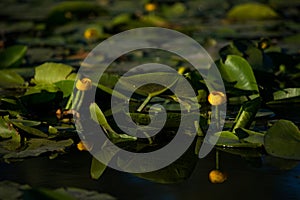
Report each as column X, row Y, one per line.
column 283, row 140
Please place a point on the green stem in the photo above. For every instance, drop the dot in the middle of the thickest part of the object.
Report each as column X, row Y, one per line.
column 68, row 106
column 144, row 103
column 217, row 117
column 217, row 159
column 80, row 101
column 76, row 99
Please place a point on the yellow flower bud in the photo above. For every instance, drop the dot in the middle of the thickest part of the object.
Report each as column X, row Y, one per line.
column 92, row 33
column 181, row 70
column 84, row 84
column 216, row 176
column 82, row 146
column 216, row 98
column 150, row 7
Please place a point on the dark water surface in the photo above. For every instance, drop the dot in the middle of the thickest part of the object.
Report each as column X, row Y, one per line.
column 245, row 181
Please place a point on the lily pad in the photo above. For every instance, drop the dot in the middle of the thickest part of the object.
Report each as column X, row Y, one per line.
column 12, row 56
column 49, row 73
column 65, row 12
column 37, row 146
column 251, row 11
column 286, row 93
column 283, row 140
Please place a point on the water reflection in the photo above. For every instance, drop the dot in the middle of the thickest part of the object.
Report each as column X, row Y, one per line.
column 245, row 180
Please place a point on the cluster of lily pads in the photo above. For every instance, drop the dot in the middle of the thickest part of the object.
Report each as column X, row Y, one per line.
column 37, row 114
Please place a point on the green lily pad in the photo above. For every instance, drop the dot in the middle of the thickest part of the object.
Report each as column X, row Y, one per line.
column 10, row 79
column 65, row 12
column 9, row 137
column 6, row 131
column 286, row 93
column 37, row 146
column 49, row 73
column 29, row 130
column 230, row 139
column 26, row 122
column 283, row 140
column 12, row 56
column 253, row 137
column 251, row 11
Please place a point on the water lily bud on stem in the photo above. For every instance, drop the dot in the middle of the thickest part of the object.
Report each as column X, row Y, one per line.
column 216, row 98
column 84, row 84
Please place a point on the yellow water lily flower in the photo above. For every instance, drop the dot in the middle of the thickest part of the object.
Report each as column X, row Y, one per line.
column 216, row 98
column 84, row 84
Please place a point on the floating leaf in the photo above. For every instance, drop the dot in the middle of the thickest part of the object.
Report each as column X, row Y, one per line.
column 37, row 146
column 12, row 56
column 283, row 140
column 49, row 73
column 26, row 122
column 12, row 139
column 251, row 11
column 226, row 137
column 30, row 130
column 65, row 12
column 286, row 93
column 230, row 139
column 10, row 79
column 6, row 131
column 253, row 137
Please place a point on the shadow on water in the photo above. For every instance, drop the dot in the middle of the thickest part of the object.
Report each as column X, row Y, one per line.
column 246, row 180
